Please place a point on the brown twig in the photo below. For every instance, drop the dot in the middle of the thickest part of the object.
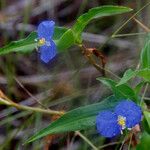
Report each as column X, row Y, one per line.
column 89, row 52
column 101, row 57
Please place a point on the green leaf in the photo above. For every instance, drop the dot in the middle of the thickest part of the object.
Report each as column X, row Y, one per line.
column 77, row 119
column 138, row 87
column 58, row 32
column 144, row 73
column 28, row 44
column 127, row 76
column 145, row 125
column 24, row 45
column 122, row 91
column 144, row 142
column 66, row 40
column 145, row 54
column 94, row 13
column 147, row 116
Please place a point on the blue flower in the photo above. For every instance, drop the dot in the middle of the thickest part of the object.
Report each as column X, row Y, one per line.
column 126, row 115
column 47, row 46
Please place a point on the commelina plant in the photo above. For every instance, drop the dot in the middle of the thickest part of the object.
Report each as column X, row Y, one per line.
column 121, row 111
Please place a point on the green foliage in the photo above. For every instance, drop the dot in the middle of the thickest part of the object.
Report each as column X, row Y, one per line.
column 95, row 13
column 84, row 117
column 143, row 73
column 147, row 116
column 145, row 125
column 58, row 32
column 77, row 119
column 121, row 91
column 24, row 45
column 144, row 142
column 73, row 36
column 145, row 54
column 66, row 40
column 138, row 87
column 127, row 76
column 29, row 44
column 63, row 37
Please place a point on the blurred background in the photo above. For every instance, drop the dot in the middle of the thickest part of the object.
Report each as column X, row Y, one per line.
column 69, row 80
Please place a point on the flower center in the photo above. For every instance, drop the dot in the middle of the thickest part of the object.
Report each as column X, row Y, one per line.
column 122, row 121
column 41, row 41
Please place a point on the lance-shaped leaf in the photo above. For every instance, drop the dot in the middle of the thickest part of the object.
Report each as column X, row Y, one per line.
column 129, row 74
column 144, row 73
column 147, row 116
column 77, row 119
column 29, row 43
column 144, row 143
column 94, row 13
column 121, row 91
column 24, row 45
column 65, row 41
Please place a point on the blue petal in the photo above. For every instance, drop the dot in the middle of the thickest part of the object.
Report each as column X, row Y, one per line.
column 46, row 30
column 48, row 52
column 131, row 111
column 106, row 123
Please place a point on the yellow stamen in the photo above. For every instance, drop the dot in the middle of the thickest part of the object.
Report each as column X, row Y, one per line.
column 41, row 41
column 122, row 121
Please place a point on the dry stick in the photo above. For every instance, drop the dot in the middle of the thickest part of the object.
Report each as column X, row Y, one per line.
column 142, row 25
column 91, row 60
column 101, row 57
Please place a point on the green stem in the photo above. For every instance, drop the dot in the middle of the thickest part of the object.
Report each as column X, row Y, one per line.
column 128, row 34
column 130, row 141
column 130, row 19
column 106, row 145
column 147, row 98
column 142, row 25
column 33, row 109
column 146, row 87
column 86, row 140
